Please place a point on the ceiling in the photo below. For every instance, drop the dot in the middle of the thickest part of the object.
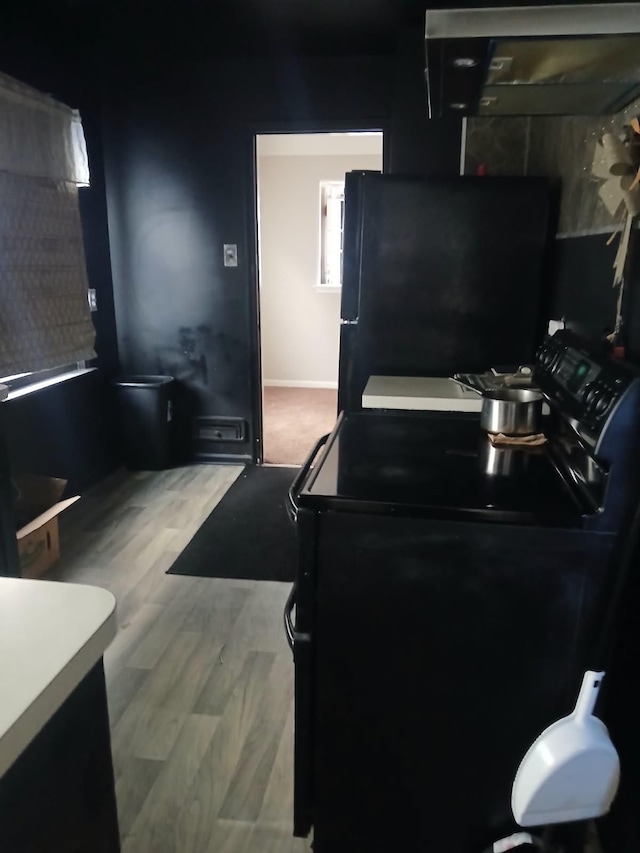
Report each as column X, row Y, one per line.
column 324, row 27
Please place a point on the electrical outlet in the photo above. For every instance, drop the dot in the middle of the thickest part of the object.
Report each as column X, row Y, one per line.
column 92, row 299
column 230, row 255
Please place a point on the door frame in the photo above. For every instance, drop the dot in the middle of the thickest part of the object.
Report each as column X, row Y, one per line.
column 253, row 250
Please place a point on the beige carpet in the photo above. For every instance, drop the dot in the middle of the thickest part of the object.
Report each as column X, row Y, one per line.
column 293, row 419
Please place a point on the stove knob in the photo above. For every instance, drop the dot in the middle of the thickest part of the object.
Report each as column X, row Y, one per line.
column 603, row 402
column 589, row 394
column 545, row 356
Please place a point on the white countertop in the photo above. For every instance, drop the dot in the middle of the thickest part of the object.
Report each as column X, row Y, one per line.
column 51, row 635
column 419, row 393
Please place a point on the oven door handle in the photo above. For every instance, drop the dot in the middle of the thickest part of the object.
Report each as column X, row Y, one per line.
column 292, row 506
column 293, row 635
column 289, row 627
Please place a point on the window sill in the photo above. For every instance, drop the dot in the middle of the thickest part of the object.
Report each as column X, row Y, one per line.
column 43, row 383
column 327, row 288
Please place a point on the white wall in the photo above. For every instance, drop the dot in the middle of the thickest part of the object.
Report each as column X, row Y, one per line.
column 300, row 326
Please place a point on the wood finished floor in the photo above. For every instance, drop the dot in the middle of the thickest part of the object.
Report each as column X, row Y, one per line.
column 199, row 677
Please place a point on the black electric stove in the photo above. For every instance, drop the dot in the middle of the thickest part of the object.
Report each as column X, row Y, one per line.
column 442, row 466
column 445, row 602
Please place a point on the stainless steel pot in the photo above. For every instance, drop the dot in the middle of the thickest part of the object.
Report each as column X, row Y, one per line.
column 512, row 411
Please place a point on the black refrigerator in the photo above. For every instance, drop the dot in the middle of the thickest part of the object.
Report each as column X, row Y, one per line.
column 440, row 276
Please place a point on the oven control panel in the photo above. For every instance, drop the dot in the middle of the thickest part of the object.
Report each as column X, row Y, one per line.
column 595, row 428
column 586, row 384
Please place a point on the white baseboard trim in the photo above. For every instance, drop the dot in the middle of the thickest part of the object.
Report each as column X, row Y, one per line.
column 299, row 383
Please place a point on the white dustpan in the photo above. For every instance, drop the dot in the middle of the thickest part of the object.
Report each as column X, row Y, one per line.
column 571, row 771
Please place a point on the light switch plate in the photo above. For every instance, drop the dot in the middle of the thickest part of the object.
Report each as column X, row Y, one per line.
column 230, row 255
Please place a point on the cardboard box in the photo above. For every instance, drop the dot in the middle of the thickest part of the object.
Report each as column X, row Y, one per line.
column 37, row 508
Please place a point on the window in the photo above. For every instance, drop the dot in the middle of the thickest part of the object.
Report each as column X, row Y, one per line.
column 331, row 233
column 45, row 321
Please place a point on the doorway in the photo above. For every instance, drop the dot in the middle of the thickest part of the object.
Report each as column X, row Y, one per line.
column 300, row 210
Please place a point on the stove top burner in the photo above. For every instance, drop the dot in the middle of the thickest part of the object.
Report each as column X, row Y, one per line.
column 440, row 463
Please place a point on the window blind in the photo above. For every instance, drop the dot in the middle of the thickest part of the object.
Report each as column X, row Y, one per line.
column 44, row 314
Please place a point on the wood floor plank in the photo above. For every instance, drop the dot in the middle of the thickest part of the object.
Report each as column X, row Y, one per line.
column 227, row 630
column 161, row 540
column 211, row 497
column 180, row 479
column 146, row 732
column 126, row 548
column 155, row 827
column 192, row 677
column 223, row 837
column 198, row 677
column 179, row 512
column 217, row 608
column 161, row 632
column 277, row 804
column 259, row 626
column 122, row 689
column 153, row 586
column 159, row 689
column 226, row 667
column 77, row 551
column 131, row 632
column 197, row 827
column 97, row 503
column 143, row 488
column 119, row 520
column 135, row 779
column 123, row 574
column 250, row 778
column 273, row 839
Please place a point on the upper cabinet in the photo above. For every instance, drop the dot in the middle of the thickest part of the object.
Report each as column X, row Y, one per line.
column 527, row 60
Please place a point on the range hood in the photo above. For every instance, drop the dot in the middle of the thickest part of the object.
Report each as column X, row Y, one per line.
column 528, row 60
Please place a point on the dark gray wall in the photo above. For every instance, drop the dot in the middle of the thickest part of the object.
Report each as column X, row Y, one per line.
column 631, row 302
column 582, row 291
column 179, row 166
column 68, row 430
column 418, row 146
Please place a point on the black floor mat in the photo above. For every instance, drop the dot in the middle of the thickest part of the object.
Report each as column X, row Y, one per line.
column 248, row 535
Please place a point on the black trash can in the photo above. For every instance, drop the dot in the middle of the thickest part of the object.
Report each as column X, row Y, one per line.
column 146, row 417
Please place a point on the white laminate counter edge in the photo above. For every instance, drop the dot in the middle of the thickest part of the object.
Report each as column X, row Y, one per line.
column 419, row 393
column 41, row 690
column 421, row 404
